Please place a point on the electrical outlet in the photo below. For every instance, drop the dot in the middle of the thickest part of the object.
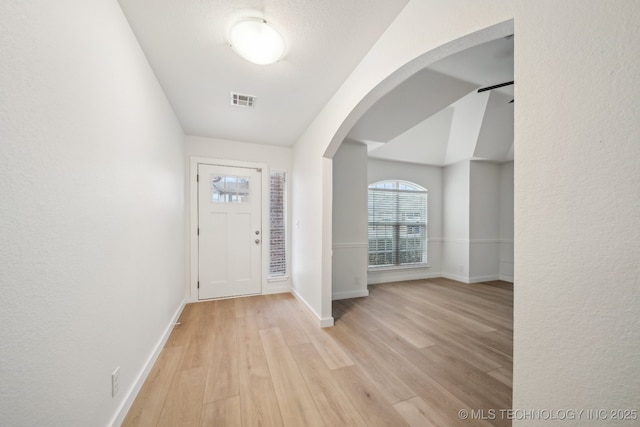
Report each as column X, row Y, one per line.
column 115, row 382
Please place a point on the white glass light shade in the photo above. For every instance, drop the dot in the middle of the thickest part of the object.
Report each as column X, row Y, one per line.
column 256, row 41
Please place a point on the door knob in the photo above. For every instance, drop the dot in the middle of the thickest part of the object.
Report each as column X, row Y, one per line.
column 257, row 241
column 257, row 232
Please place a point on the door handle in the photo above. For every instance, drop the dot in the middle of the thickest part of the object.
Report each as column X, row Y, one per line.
column 257, row 241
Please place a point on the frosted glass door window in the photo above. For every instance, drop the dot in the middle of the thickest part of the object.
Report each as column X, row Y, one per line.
column 230, row 189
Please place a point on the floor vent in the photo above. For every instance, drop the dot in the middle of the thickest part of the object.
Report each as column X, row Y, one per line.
column 242, row 100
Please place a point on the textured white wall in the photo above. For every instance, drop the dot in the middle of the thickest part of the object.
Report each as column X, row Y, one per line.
column 91, row 218
column 350, row 242
column 577, row 205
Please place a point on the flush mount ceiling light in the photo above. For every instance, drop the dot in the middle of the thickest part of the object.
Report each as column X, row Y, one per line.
column 256, row 41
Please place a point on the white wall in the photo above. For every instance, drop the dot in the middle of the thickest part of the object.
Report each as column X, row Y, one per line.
column 276, row 157
column 307, row 235
column 577, row 198
column 577, row 242
column 429, row 177
column 455, row 209
column 220, row 149
column 92, row 220
column 472, row 215
column 350, row 243
column 505, row 219
column 484, row 208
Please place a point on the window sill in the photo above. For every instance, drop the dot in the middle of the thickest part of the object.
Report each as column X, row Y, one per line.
column 399, row 267
column 277, row 279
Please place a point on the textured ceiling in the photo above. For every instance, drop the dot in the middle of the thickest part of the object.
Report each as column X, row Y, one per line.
column 185, row 43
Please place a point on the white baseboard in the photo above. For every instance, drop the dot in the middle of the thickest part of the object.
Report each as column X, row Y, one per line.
column 350, row 294
column 326, row 322
column 322, row 322
column 475, row 279
column 455, row 277
column 277, row 290
column 506, row 278
column 122, row 411
column 478, row 279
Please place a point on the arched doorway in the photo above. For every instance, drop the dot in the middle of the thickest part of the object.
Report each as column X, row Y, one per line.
column 376, row 93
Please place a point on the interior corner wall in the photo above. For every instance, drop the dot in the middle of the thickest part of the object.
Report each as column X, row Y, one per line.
column 92, row 218
column 350, row 243
column 484, row 221
column 456, row 187
column 429, row 177
column 307, row 232
column 275, row 157
column 505, row 219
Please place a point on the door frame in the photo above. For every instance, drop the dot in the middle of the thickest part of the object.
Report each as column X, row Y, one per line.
column 192, row 294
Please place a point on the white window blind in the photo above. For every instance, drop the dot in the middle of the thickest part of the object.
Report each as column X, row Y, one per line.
column 277, row 213
column 397, row 224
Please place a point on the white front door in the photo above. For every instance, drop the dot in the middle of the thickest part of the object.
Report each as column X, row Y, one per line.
column 229, row 231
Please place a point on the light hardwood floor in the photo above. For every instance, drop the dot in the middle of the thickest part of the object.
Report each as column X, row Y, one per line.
column 412, row 353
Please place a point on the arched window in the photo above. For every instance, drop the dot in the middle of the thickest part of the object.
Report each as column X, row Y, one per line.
column 397, row 224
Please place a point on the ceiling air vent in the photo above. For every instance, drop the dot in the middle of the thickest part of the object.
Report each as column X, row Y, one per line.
column 242, row 100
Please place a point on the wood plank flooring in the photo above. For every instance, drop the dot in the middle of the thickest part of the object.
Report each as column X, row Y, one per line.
column 411, row 354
